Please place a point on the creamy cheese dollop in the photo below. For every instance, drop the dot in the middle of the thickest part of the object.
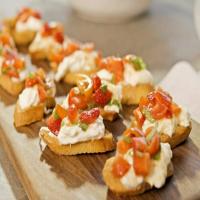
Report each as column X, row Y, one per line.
column 41, row 43
column 105, row 75
column 168, row 125
column 158, row 173
column 71, row 134
column 32, row 24
column 29, row 97
column 133, row 77
column 76, row 62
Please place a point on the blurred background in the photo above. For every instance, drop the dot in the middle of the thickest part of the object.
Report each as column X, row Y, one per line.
column 161, row 31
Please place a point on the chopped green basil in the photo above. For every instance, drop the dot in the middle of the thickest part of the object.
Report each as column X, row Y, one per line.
column 138, row 63
column 31, row 75
column 55, row 115
column 104, row 88
column 1, row 49
column 115, row 102
column 83, row 126
column 157, row 155
column 63, row 123
column 146, row 112
column 127, row 139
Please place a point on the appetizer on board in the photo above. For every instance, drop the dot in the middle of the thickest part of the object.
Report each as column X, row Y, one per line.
column 24, row 26
column 94, row 92
column 35, row 99
column 74, row 58
column 131, row 73
column 47, row 41
column 158, row 111
column 141, row 163
column 12, row 71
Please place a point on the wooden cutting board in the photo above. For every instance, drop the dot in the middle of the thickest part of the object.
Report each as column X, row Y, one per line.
column 45, row 175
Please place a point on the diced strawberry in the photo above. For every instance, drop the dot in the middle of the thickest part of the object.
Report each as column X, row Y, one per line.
column 102, row 97
column 54, row 124
column 18, row 63
column 31, row 81
column 90, row 116
column 72, row 113
column 142, row 163
column 13, row 73
column 120, row 167
column 96, row 82
column 133, row 132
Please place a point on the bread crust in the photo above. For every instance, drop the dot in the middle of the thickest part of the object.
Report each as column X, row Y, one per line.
column 29, row 115
column 180, row 135
column 116, row 186
column 104, row 144
column 13, row 88
column 131, row 94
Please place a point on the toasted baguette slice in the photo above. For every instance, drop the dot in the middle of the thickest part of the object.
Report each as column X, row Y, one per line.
column 116, row 186
column 104, row 144
column 21, row 38
column 13, row 88
column 29, row 115
column 131, row 94
column 180, row 135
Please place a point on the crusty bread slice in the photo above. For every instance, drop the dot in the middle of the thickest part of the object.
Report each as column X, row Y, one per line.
column 116, row 186
column 29, row 115
column 104, row 144
column 131, row 94
column 180, row 135
column 13, row 88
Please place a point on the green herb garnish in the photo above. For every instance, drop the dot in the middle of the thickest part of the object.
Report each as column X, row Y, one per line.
column 83, row 126
column 31, row 75
column 157, row 156
column 55, row 115
column 104, row 88
column 146, row 112
column 138, row 63
column 127, row 139
column 115, row 102
column 62, row 123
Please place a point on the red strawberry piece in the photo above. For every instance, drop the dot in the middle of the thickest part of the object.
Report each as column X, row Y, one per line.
column 54, row 123
column 90, row 116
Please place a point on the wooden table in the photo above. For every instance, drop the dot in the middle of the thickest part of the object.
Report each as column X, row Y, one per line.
column 163, row 36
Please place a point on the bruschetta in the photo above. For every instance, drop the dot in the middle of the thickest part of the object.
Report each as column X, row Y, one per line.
column 47, row 41
column 37, row 96
column 73, row 131
column 73, row 59
column 158, row 111
column 12, row 71
column 24, row 26
column 141, row 163
column 131, row 73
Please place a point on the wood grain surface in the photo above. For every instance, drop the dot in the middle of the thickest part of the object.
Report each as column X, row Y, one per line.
column 163, row 36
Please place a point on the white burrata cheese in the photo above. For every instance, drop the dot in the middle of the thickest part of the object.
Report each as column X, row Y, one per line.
column 29, row 97
column 71, row 134
column 32, row 24
column 168, row 125
column 41, row 43
column 105, row 75
column 159, row 170
column 158, row 173
column 133, row 77
column 76, row 62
